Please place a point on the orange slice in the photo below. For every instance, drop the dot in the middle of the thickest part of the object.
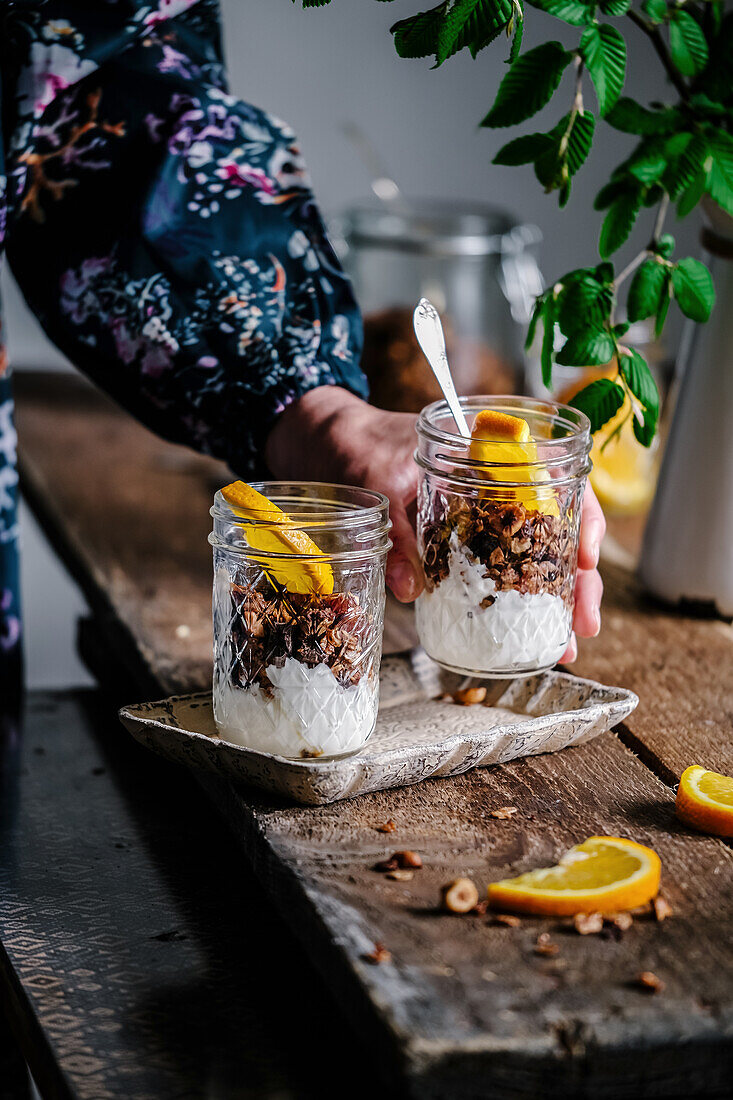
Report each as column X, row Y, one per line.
column 705, row 801
column 279, row 537
column 604, row 873
column 496, row 436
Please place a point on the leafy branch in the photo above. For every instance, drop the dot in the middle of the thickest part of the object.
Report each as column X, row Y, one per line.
column 684, row 152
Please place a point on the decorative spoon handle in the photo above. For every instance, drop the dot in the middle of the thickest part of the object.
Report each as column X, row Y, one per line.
column 429, row 332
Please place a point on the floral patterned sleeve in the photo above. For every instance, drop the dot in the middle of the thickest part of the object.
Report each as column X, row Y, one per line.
column 164, row 232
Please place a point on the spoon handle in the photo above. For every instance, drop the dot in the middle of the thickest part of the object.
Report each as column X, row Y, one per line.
column 429, row 332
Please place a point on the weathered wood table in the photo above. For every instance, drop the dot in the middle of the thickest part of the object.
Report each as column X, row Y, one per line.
column 465, row 1008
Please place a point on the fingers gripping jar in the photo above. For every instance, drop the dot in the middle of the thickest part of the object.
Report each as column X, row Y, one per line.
column 298, row 618
column 498, row 529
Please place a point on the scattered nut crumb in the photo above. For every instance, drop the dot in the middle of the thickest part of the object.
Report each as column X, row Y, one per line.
column 446, row 697
column 503, row 813
column 507, row 919
column 183, row 631
column 408, row 860
column 641, row 910
column 386, row 827
column 479, row 909
column 622, row 921
column 662, row 908
column 645, row 979
column 400, row 876
column 459, row 896
column 545, row 946
column 390, row 864
column 588, row 924
column 468, row 697
column 380, row 954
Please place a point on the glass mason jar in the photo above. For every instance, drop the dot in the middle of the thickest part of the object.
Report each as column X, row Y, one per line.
column 498, row 528
column 298, row 618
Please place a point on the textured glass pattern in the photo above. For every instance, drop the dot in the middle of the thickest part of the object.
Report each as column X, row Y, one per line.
column 296, row 675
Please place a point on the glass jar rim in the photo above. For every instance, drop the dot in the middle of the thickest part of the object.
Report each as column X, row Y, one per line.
column 374, row 506
column 363, row 513
column 573, row 417
column 461, row 469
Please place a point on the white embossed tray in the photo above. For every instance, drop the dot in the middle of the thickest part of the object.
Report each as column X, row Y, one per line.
column 418, row 736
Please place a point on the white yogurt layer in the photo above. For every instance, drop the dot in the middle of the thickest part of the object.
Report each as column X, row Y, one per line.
column 310, row 713
column 516, row 633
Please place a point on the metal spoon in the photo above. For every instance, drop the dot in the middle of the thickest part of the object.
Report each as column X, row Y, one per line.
column 429, row 332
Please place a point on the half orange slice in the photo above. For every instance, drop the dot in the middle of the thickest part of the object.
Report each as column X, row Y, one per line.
column 705, row 801
column 271, row 531
column 603, row 874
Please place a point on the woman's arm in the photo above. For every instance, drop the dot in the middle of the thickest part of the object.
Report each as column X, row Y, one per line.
column 164, row 232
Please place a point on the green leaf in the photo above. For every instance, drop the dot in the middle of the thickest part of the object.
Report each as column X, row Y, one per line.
column 417, row 36
column 523, row 150
column 611, row 191
column 664, row 301
column 655, row 9
column 720, row 174
column 600, row 401
column 571, row 11
column 691, row 196
column 693, row 289
column 587, row 348
column 619, row 222
column 516, row 46
column 687, row 43
column 537, row 313
column 615, row 7
column 548, row 342
column 638, row 378
column 570, row 148
column 645, row 430
column 604, row 51
column 472, row 23
column 584, row 302
column 645, row 292
column 682, row 171
column 631, row 118
column 528, row 85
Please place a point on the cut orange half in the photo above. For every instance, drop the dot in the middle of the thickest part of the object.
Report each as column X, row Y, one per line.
column 705, row 801
column 603, row 874
column 498, row 436
column 278, row 536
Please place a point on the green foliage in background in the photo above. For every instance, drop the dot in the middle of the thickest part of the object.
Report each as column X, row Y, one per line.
column 684, row 151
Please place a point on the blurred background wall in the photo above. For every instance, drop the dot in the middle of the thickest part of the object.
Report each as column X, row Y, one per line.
column 326, row 67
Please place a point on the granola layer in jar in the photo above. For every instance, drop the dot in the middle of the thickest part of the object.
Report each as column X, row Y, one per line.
column 498, row 525
column 298, row 616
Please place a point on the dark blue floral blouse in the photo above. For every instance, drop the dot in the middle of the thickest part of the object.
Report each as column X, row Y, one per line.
column 164, row 233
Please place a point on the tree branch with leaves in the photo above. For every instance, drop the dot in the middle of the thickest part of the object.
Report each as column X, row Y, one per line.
column 684, row 153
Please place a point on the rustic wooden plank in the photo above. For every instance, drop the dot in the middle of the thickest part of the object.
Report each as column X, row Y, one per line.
column 467, row 1003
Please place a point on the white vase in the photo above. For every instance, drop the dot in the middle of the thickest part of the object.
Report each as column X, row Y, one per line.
column 688, row 543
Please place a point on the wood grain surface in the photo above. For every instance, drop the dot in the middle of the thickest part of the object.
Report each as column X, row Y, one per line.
column 465, row 1005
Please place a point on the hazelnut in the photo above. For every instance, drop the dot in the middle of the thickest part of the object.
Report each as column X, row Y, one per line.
column 459, row 896
column 408, row 860
column 662, row 908
column 386, row 827
column 380, row 954
column 468, row 697
column 588, row 924
column 649, row 981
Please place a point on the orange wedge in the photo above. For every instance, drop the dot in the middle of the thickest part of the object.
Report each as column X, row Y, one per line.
column 279, row 537
column 496, row 436
column 603, row 874
column 705, row 801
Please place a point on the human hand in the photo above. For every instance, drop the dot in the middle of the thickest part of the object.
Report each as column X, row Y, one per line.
column 329, row 434
column 588, row 585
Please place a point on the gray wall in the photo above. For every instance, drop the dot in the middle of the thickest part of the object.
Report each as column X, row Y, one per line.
column 326, row 66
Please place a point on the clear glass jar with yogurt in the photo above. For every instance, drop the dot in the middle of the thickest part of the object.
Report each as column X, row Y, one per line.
column 298, row 618
column 498, row 527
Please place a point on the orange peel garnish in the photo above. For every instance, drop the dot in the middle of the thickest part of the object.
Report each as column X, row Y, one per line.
column 705, row 801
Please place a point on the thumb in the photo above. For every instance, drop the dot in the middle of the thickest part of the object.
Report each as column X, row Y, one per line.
column 404, row 568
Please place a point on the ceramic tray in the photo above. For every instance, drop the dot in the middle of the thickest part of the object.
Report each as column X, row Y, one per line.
column 418, row 735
